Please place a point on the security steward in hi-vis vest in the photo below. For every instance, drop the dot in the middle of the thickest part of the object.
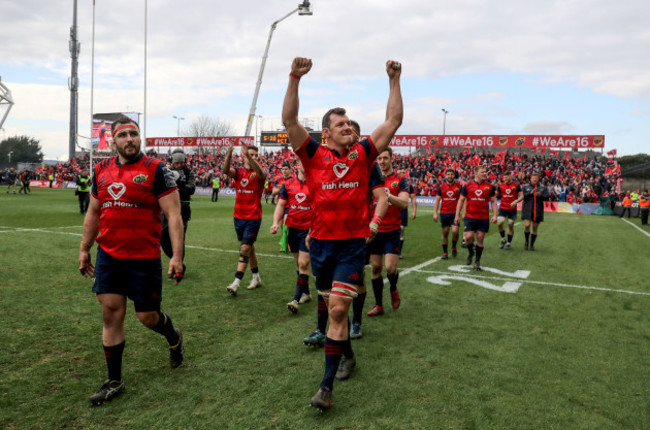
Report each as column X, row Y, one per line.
column 216, row 184
column 83, row 190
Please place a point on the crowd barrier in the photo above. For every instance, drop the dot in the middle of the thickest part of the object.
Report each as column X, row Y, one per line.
column 557, row 207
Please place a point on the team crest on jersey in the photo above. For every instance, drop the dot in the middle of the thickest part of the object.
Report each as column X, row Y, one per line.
column 487, row 189
column 140, row 179
column 340, row 169
column 394, row 184
column 253, row 175
column 353, row 155
column 116, row 190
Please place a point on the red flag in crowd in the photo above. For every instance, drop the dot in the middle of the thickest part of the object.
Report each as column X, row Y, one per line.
column 555, row 152
column 611, row 153
column 466, row 152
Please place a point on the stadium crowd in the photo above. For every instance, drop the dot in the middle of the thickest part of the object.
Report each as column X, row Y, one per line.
column 571, row 179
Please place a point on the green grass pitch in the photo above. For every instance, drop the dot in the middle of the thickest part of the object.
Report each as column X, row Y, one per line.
column 558, row 338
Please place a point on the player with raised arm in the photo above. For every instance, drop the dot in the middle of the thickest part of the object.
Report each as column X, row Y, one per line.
column 249, row 180
column 475, row 198
column 337, row 174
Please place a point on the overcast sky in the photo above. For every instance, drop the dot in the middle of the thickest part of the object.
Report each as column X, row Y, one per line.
column 507, row 67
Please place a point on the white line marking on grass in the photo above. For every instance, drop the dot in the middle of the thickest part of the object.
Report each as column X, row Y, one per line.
column 527, row 281
column 39, row 230
column 237, row 251
column 416, row 268
column 637, row 227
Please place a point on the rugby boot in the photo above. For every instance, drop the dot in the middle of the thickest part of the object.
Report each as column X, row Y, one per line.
column 109, row 391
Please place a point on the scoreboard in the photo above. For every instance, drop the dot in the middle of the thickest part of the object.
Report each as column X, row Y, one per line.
column 279, row 138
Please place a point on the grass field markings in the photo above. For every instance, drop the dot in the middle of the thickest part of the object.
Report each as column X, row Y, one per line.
column 520, row 274
column 416, row 268
column 38, row 230
column 637, row 227
column 528, row 281
column 507, row 287
column 237, row 251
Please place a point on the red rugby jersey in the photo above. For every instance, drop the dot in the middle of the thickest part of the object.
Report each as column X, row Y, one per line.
column 248, row 198
column 449, row 195
column 129, row 220
column 296, row 193
column 395, row 184
column 478, row 199
column 338, row 184
column 509, row 193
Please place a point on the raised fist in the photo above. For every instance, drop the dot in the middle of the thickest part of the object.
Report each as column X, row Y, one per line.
column 300, row 66
column 393, row 68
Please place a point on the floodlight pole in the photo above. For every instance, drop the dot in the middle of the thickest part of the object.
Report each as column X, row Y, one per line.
column 444, row 120
column 305, row 9
column 73, row 84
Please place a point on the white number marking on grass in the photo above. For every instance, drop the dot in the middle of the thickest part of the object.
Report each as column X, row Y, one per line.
column 528, row 281
column 507, row 287
column 521, row 274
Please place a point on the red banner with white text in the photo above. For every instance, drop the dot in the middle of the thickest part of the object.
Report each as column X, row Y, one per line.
column 573, row 142
column 197, row 142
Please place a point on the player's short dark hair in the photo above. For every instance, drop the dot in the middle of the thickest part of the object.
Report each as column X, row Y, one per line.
column 326, row 117
column 507, row 172
column 355, row 125
column 389, row 150
column 449, row 169
column 479, row 167
column 121, row 120
column 535, row 174
column 286, row 164
column 253, row 147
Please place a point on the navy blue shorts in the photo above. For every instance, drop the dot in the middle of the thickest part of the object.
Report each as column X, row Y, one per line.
column 247, row 230
column 447, row 220
column 473, row 224
column 510, row 214
column 404, row 213
column 297, row 238
column 385, row 243
column 337, row 260
column 139, row 280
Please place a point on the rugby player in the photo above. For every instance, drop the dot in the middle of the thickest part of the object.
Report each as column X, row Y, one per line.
column 447, row 195
column 250, row 179
column 532, row 212
column 475, row 199
column 510, row 194
column 338, row 174
column 295, row 193
column 387, row 241
column 128, row 192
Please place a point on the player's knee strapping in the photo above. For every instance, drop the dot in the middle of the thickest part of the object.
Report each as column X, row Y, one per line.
column 346, row 291
column 243, row 258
